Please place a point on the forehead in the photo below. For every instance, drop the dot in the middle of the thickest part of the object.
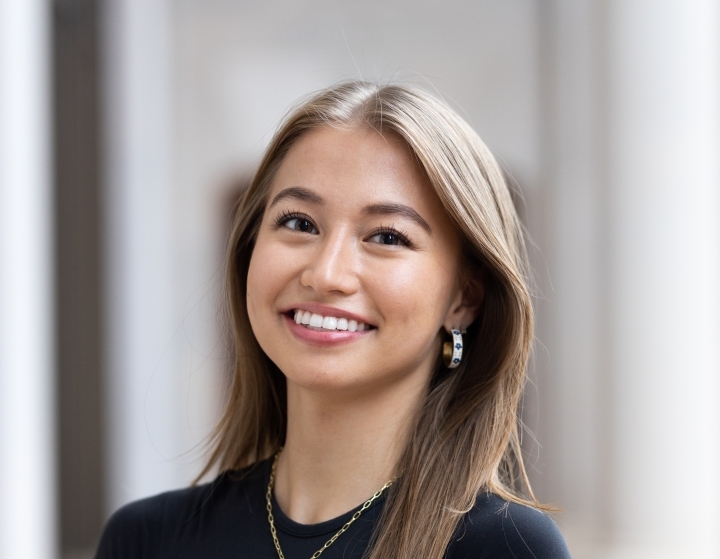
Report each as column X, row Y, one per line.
column 357, row 167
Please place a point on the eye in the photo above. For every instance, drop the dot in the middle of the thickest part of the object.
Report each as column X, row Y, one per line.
column 390, row 237
column 300, row 224
column 297, row 222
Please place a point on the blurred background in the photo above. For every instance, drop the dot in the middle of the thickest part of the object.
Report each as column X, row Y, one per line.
column 128, row 126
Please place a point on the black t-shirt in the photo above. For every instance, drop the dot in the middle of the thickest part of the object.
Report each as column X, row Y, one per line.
column 227, row 519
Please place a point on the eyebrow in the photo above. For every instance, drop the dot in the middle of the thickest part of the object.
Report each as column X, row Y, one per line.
column 298, row 193
column 390, row 208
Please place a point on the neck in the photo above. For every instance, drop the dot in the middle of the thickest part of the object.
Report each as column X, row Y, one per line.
column 339, row 451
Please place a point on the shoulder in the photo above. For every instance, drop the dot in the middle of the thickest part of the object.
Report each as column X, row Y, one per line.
column 138, row 529
column 150, row 527
column 498, row 529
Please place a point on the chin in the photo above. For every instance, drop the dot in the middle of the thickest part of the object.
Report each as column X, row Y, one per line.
column 338, row 379
column 318, row 381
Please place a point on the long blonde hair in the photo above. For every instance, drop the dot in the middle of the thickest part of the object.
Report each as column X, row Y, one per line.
column 466, row 438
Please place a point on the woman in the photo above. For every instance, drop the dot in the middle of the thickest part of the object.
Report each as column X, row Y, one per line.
column 382, row 324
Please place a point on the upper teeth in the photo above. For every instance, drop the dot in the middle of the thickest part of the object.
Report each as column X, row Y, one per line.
column 328, row 322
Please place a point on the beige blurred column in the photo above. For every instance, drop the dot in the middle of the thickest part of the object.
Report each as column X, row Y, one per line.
column 629, row 226
column 565, row 220
column 27, row 457
column 663, row 322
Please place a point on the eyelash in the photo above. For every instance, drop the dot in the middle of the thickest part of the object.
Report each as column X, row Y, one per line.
column 287, row 215
column 403, row 238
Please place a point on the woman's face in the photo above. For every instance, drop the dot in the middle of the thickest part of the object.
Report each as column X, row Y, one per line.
column 354, row 272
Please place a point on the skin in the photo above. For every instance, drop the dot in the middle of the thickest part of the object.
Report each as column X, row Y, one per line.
column 326, row 242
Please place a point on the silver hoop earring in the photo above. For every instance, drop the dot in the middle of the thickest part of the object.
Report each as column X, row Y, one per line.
column 452, row 351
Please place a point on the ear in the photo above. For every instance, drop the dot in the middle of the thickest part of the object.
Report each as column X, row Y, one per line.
column 465, row 305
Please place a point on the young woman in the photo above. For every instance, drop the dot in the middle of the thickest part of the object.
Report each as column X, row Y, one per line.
column 382, row 324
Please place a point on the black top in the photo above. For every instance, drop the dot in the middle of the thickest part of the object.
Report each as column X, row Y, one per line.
column 227, row 519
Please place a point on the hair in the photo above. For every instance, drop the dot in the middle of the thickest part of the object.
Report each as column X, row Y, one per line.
column 466, row 436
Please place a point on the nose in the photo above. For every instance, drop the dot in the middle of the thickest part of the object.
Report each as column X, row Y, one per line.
column 333, row 265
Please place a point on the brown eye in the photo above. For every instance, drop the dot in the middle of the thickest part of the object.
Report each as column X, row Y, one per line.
column 387, row 239
column 300, row 224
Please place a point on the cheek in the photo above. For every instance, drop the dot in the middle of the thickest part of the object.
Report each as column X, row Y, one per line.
column 415, row 295
column 262, row 281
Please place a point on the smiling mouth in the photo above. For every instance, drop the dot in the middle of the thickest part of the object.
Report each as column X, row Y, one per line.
column 320, row 323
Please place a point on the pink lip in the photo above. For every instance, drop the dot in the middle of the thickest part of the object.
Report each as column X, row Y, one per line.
column 326, row 310
column 322, row 338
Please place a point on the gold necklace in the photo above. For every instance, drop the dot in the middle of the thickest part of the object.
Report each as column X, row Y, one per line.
column 271, row 519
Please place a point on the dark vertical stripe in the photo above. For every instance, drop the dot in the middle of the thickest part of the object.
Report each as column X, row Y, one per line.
column 78, row 280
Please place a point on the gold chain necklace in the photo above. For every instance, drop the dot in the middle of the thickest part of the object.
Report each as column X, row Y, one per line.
column 271, row 519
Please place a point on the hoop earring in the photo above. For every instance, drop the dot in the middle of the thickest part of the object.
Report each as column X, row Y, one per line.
column 452, row 351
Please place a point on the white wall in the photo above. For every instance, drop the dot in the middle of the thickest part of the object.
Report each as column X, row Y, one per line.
column 664, row 241
column 27, row 454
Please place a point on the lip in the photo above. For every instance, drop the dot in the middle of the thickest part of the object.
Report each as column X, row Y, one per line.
column 322, row 338
column 327, row 310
